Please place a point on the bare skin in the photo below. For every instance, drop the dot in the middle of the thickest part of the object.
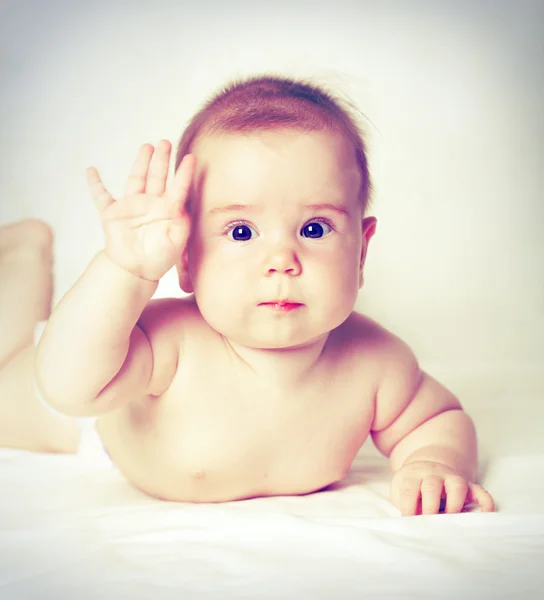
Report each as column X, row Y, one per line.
column 215, row 399
column 26, row 286
column 241, row 433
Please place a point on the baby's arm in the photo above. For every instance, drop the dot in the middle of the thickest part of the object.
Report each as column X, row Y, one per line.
column 93, row 356
column 430, row 441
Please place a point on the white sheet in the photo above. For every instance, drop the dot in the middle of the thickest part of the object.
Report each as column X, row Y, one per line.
column 71, row 528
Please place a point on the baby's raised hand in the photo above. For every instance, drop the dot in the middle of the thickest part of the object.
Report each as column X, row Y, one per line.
column 147, row 229
column 429, row 488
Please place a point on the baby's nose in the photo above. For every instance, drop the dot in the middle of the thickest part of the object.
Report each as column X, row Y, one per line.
column 285, row 261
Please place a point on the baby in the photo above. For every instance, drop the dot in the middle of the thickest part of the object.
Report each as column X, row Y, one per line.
column 263, row 380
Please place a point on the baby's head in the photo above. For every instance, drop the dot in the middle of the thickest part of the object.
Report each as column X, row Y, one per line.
column 278, row 204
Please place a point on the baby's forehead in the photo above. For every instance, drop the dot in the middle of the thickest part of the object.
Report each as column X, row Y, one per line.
column 276, row 141
column 275, row 161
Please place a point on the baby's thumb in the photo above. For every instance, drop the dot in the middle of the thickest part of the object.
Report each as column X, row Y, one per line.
column 177, row 232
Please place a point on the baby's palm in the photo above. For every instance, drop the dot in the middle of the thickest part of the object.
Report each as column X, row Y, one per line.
column 146, row 231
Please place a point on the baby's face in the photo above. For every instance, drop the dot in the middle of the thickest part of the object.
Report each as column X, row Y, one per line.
column 275, row 250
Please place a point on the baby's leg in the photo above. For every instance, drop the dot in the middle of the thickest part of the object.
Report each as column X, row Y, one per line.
column 26, row 288
column 26, row 278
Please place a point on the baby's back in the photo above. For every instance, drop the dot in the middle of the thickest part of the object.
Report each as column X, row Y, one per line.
column 220, row 431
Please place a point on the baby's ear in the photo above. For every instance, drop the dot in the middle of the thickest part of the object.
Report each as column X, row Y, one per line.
column 182, row 267
column 369, row 229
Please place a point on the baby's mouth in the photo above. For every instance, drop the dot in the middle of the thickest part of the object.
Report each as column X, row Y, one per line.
column 282, row 305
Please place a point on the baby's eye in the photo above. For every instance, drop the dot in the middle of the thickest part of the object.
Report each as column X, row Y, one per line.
column 315, row 229
column 241, row 233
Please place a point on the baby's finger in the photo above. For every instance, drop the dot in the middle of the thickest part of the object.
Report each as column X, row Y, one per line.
column 408, row 496
column 456, row 492
column 477, row 495
column 138, row 175
column 431, row 491
column 101, row 197
column 179, row 188
column 158, row 171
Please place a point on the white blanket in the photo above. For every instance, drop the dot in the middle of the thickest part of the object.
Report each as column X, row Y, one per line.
column 70, row 528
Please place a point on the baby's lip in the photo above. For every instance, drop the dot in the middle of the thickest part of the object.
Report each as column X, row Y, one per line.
column 283, row 302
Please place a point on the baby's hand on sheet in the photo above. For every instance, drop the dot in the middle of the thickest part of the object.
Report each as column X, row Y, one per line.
column 147, row 229
column 428, row 488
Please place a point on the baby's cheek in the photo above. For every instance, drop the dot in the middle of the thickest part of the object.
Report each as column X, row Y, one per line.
column 347, row 286
column 218, row 290
column 344, row 271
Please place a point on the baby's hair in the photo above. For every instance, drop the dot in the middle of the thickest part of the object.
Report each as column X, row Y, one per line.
column 268, row 103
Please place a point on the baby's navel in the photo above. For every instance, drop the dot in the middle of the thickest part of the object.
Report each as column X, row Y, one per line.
column 200, row 474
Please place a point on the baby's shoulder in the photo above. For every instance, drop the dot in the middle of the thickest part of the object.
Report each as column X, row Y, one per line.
column 169, row 317
column 169, row 311
column 365, row 338
column 168, row 324
column 160, row 313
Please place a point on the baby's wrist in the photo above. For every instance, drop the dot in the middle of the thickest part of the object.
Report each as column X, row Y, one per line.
column 135, row 278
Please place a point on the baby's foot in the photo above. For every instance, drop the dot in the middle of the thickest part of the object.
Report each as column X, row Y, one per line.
column 26, row 282
column 30, row 239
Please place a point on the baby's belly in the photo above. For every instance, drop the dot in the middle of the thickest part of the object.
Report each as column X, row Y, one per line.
column 205, row 458
column 235, row 470
column 226, row 482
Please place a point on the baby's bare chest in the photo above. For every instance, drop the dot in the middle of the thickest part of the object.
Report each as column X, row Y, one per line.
column 215, row 435
column 289, row 440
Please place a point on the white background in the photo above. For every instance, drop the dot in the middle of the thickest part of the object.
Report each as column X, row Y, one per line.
column 453, row 93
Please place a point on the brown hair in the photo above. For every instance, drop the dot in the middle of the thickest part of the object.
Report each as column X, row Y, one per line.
column 272, row 103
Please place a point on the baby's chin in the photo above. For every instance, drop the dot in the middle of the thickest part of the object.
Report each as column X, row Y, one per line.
column 275, row 341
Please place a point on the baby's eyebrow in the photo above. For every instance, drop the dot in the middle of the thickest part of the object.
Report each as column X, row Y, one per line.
column 234, row 208
column 327, row 206
column 254, row 208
